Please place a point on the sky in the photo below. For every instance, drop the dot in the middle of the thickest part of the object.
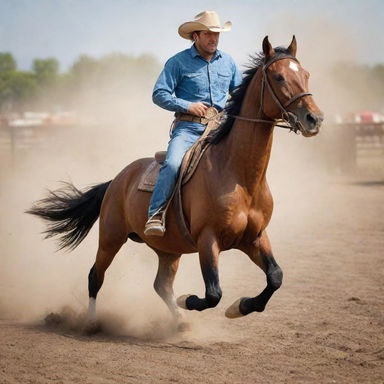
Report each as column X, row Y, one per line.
column 65, row 29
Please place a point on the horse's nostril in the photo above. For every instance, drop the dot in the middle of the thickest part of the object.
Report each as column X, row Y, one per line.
column 311, row 119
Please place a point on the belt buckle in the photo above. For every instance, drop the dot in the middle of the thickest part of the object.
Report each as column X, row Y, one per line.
column 210, row 113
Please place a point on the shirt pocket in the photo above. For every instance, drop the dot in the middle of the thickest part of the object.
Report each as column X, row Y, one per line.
column 223, row 81
column 194, row 83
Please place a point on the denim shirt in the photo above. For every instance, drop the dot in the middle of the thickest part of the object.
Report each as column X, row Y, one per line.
column 187, row 77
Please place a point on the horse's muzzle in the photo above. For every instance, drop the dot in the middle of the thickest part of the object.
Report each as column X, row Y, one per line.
column 309, row 123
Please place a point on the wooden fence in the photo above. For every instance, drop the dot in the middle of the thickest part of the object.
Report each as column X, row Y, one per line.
column 348, row 143
column 17, row 140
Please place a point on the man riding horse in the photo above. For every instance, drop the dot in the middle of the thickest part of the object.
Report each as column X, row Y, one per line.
column 227, row 202
column 192, row 81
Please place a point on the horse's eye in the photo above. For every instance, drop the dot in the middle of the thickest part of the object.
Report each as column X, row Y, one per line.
column 279, row 78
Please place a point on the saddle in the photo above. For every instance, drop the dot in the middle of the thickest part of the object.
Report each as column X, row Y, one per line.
column 189, row 164
column 190, row 161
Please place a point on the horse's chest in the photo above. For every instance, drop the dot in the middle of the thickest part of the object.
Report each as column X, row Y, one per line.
column 242, row 226
column 233, row 226
column 257, row 221
column 240, row 217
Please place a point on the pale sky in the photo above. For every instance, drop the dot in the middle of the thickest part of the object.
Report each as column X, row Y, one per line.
column 325, row 29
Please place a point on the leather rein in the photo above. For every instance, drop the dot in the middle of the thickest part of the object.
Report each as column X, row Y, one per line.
column 288, row 117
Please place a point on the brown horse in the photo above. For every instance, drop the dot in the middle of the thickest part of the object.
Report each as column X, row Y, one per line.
column 227, row 202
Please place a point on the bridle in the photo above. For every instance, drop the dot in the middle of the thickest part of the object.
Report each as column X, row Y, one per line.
column 288, row 118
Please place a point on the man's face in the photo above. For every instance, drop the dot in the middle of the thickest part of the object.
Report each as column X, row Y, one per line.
column 207, row 41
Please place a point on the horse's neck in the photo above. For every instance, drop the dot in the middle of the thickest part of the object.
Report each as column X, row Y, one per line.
column 248, row 146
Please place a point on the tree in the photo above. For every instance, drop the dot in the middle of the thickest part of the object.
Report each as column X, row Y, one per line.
column 46, row 70
column 16, row 89
column 7, row 63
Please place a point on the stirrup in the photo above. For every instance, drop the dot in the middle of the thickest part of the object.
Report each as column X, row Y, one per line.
column 155, row 225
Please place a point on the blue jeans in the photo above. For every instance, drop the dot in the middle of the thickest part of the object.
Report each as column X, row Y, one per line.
column 184, row 135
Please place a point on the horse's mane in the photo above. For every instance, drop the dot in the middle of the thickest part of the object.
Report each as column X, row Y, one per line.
column 237, row 95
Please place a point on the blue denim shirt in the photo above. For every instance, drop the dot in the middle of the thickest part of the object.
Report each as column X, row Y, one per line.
column 187, row 77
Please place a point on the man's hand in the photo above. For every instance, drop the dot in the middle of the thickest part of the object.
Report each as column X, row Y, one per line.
column 197, row 109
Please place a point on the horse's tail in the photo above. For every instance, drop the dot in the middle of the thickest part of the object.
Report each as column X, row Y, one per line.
column 70, row 213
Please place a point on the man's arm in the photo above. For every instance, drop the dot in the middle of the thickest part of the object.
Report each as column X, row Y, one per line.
column 163, row 92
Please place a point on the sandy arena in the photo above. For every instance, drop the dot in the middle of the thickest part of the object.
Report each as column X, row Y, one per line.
column 324, row 325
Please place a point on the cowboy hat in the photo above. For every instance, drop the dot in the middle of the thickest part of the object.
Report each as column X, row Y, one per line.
column 204, row 21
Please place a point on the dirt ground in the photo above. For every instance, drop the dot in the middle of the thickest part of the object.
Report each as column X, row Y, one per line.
column 325, row 324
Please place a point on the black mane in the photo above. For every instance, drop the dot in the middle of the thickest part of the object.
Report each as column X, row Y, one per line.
column 237, row 95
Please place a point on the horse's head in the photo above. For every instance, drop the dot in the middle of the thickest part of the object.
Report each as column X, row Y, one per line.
column 285, row 90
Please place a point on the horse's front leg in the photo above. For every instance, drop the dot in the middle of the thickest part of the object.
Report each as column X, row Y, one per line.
column 209, row 260
column 260, row 253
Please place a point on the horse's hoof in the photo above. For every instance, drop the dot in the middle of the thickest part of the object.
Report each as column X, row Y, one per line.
column 182, row 301
column 234, row 310
column 183, row 327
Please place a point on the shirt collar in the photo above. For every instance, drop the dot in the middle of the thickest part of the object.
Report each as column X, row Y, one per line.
column 194, row 53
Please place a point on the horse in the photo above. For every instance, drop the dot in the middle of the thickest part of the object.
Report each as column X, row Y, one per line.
column 234, row 204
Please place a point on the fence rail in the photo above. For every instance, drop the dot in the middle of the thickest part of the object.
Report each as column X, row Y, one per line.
column 349, row 143
column 17, row 140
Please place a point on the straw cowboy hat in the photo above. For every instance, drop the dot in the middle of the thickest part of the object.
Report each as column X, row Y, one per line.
column 204, row 21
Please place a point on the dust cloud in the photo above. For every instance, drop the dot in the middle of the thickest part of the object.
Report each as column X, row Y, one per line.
column 35, row 280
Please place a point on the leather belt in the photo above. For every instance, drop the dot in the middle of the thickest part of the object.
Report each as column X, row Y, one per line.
column 192, row 118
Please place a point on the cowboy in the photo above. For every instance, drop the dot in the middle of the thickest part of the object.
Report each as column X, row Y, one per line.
column 192, row 81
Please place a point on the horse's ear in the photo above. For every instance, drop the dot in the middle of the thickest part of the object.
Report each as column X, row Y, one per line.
column 267, row 48
column 293, row 46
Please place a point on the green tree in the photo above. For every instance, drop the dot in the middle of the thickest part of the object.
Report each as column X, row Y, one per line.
column 17, row 89
column 7, row 63
column 46, row 70
column 84, row 67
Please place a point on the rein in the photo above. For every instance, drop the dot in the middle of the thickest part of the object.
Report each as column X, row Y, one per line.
column 288, row 117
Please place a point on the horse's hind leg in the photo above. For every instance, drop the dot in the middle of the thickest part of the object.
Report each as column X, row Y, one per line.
column 260, row 253
column 168, row 265
column 113, row 234
column 104, row 259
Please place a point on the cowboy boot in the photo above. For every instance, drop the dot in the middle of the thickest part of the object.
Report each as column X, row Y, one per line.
column 155, row 225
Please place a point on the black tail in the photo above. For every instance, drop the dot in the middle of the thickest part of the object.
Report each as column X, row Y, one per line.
column 70, row 213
